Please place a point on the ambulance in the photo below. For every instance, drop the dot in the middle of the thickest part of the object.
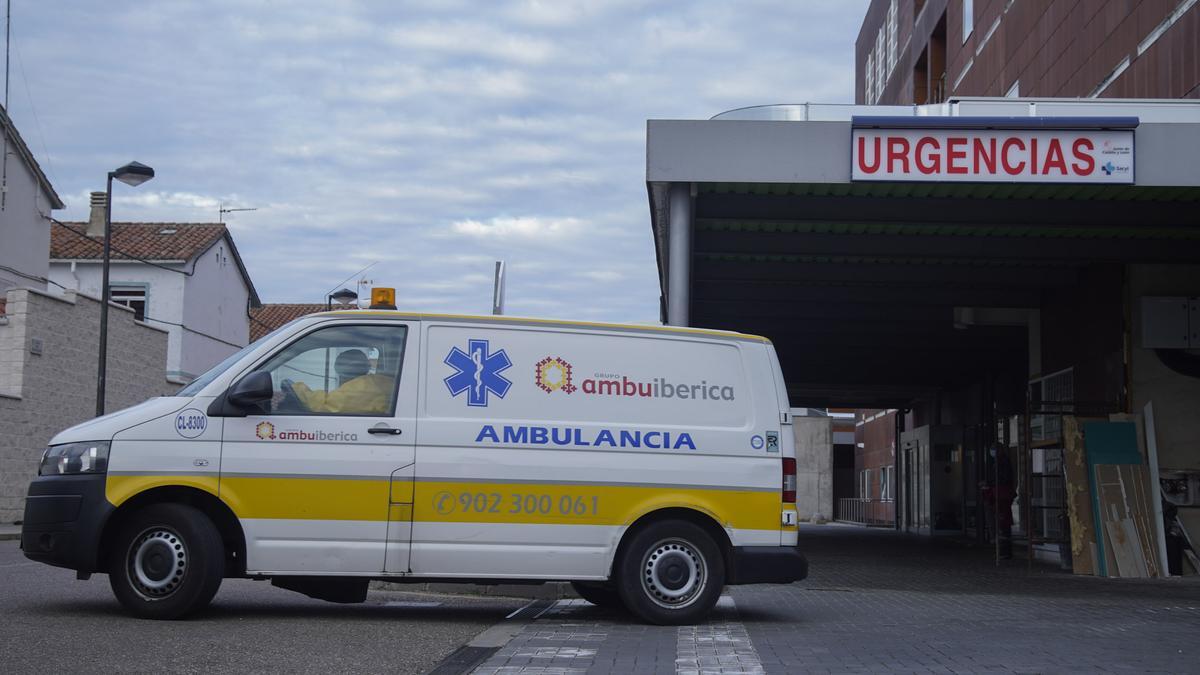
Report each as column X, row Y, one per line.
column 649, row 466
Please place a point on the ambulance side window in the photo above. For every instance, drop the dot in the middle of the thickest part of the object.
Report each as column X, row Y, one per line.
column 341, row 370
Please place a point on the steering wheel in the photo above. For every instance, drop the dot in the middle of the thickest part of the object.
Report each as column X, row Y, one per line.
column 291, row 401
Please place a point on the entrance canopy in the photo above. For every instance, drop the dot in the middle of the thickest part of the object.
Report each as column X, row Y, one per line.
column 878, row 292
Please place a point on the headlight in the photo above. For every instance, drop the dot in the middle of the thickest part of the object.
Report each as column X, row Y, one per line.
column 71, row 458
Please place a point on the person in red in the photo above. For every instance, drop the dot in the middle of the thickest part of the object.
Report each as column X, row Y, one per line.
column 998, row 492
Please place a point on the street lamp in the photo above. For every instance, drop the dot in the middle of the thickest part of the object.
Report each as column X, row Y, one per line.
column 132, row 174
column 343, row 297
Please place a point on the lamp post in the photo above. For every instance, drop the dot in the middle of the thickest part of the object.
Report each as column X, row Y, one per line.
column 343, row 297
column 132, row 174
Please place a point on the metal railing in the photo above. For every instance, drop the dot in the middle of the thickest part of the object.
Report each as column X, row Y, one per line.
column 865, row 511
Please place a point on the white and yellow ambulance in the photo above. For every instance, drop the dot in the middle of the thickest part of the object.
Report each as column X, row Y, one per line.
column 649, row 466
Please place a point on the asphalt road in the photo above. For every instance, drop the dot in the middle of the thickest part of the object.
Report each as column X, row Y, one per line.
column 49, row 621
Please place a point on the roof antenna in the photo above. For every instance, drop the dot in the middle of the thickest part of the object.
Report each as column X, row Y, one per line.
column 221, row 210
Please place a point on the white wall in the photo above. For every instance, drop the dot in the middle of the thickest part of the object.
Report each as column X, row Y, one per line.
column 215, row 302
column 24, row 230
column 1176, row 397
column 211, row 303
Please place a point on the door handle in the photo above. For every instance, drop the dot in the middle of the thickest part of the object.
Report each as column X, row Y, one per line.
column 391, row 431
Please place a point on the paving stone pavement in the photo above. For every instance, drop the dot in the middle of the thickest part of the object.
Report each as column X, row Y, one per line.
column 880, row 602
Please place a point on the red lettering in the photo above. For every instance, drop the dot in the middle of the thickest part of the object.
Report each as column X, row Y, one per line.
column 1085, row 165
column 985, row 155
column 921, row 159
column 1010, row 168
column 628, row 387
column 1033, row 155
column 862, row 156
column 897, row 151
column 953, row 154
column 1054, row 158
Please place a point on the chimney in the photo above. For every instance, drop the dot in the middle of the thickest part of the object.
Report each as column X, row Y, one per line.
column 95, row 226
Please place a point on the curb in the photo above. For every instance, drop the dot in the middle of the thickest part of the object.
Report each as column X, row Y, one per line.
column 10, row 536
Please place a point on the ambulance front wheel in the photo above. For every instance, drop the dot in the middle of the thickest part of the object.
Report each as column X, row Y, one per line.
column 166, row 562
column 671, row 573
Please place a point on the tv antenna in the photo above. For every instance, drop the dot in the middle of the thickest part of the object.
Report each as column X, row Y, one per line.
column 221, row 211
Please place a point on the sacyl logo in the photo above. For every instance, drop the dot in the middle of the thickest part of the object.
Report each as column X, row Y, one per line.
column 477, row 372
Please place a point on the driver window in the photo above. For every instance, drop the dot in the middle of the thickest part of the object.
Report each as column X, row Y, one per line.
column 341, row 370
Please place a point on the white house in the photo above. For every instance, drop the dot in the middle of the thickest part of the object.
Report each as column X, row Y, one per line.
column 184, row 277
column 26, row 199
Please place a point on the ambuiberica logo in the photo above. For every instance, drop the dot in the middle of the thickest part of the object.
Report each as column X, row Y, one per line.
column 267, row 432
column 554, row 373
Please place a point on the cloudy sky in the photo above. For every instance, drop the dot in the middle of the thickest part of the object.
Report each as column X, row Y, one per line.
column 430, row 138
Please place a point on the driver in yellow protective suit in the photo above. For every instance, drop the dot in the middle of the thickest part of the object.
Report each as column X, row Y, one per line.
column 360, row 392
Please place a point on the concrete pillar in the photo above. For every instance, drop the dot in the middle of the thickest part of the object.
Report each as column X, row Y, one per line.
column 679, row 254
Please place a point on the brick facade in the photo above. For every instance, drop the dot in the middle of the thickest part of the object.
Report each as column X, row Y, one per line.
column 875, row 452
column 42, row 394
column 1055, row 48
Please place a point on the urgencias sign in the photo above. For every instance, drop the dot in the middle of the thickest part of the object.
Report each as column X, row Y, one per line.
column 992, row 155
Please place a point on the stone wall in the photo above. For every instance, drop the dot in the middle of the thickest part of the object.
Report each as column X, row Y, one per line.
column 44, row 393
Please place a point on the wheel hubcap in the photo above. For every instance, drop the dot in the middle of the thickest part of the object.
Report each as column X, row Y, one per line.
column 156, row 563
column 673, row 573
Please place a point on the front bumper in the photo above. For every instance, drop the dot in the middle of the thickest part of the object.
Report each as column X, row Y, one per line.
column 64, row 517
column 766, row 565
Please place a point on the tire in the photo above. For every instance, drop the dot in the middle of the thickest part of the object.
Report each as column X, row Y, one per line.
column 600, row 594
column 670, row 573
column 167, row 561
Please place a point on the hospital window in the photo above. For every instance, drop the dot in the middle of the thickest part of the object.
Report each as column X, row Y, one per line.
column 864, row 484
column 133, row 297
column 341, row 370
column 885, row 483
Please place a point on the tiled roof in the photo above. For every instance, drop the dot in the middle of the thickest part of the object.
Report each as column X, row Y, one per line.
column 273, row 315
column 152, row 241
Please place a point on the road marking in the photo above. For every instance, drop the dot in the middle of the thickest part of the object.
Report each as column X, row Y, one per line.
column 482, row 646
column 563, row 637
column 716, row 647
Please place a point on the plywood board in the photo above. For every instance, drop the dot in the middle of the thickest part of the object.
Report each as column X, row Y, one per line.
column 1122, row 561
column 1079, row 499
column 1126, row 515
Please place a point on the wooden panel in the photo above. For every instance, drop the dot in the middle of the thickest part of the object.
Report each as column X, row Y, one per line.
column 1079, row 500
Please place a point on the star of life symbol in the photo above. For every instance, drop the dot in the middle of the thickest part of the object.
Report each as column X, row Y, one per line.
column 477, row 372
column 553, row 374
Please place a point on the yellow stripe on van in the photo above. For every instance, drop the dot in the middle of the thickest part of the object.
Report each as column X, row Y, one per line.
column 306, row 498
column 567, row 504
column 119, row 488
column 325, row 498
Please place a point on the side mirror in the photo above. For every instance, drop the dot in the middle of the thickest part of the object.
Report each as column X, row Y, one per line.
column 251, row 390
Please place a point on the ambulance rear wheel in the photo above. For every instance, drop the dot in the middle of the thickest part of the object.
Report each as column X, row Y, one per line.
column 671, row 573
column 167, row 561
column 600, row 594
